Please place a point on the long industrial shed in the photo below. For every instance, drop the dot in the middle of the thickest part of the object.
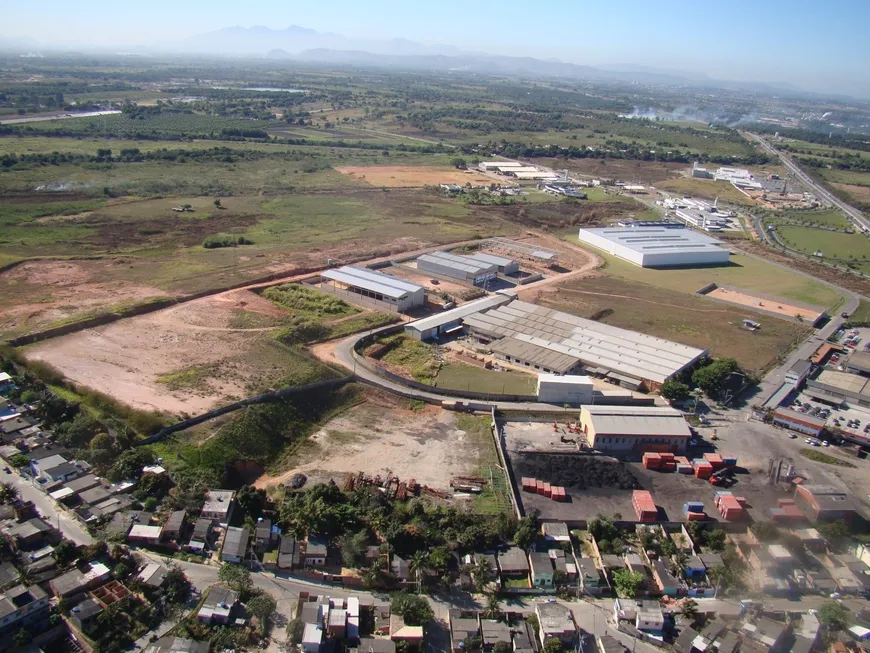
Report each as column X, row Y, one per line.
column 398, row 293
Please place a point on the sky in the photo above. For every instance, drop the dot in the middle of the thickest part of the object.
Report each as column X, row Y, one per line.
column 819, row 46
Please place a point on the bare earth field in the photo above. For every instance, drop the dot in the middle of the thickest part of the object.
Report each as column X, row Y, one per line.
column 413, row 176
column 380, row 437
column 184, row 359
column 774, row 306
column 860, row 193
column 643, row 172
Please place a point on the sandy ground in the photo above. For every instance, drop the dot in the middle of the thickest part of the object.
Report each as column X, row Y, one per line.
column 410, row 273
column 124, row 359
column 58, row 290
column 771, row 305
column 379, row 437
column 413, row 176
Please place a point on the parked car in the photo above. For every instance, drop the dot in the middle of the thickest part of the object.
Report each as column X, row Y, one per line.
column 844, row 315
column 793, row 436
column 809, row 441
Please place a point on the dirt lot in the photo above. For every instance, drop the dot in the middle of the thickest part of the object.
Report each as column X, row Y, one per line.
column 36, row 294
column 184, row 359
column 643, row 172
column 688, row 319
column 414, row 176
column 382, row 436
column 773, row 306
column 410, row 273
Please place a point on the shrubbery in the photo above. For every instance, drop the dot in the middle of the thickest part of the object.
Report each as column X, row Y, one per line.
column 225, row 240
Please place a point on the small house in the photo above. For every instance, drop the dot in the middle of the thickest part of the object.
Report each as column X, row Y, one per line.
column 219, row 506
column 315, row 551
column 174, row 527
column 556, row 621
column 218, row 606
column 85, row 613
column 235, row 546
column 542, row 570
column 265, row 536
column 288, row 552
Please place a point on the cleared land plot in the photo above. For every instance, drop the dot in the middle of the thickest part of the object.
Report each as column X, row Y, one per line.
column 643, row 172
column 707, row 188
column 829, row 218
column 185, row 359
column 382, row 436
column 765, row 303
column 688, row 319
column 413, row 176
column 463, row 376
column 746, row 272
column 839, row 247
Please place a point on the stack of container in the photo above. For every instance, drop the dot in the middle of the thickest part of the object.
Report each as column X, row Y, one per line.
column 539, row 487
column 786, row 512
column 703, row 469
column 559, row 494
column 652, row 460
column 644, row 506
column 741, row 501
column 691, row 507
column 668, row 462
column 684, row 466
column 529, row 484
column 548, row 490
column 730, row 508
column 719, row 494
column 696, row 516
column 714, row 459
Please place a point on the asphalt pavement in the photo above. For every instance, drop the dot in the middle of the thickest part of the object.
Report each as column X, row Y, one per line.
column 71, row 527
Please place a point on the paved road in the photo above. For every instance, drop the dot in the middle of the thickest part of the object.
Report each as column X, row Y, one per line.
column 851, row 212
column 71, row 527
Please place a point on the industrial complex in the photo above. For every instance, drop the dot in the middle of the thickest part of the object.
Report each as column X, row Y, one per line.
column 555, row 342
column 465, row 269
column 398, row 294
column 620, row 428
column 657, row 247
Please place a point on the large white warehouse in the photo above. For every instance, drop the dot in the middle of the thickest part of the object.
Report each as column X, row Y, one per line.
column 657, row 247
column 393, row 293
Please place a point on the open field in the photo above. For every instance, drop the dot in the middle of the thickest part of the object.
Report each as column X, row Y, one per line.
column 185, row 359
column 744, row 272
column 689, row 319
column 768, row 304
column 410, row 177
column 628, row 170
column 841, row 247
column 463, row 376
column 707, row 188
column 383, row 436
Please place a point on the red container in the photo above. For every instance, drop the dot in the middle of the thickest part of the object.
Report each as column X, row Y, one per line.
column 784, row 502
column 704, row 471
column 695, row 516
column 539, row 487
column 669, row 467
column 742, row 501
column 667, row 457
column 548, row 490
column 529, row 484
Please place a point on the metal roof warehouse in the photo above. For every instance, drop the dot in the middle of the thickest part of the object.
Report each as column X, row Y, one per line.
column 657, row 247
column 376, row 285
column 464, row 268
column 634, row 355
column 435, row 325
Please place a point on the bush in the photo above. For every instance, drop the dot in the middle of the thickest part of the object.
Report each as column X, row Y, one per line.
column 225, row 240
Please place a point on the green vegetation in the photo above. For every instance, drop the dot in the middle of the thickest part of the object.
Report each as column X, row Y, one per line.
column 225, row 240
column 627, row 583
column 495, row 498
column 186, row 378
column 412, row 355
column 861, row 315
column 462, row 376
column 301, row 300
column 822, row 457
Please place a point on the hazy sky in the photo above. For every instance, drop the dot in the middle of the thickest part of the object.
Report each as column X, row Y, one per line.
column 818, row 45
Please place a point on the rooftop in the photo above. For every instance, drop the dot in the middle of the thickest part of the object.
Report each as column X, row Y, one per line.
column 456, row 314
column 554, row 618
column 843, row 381
column 236, row 542
column 171, row 644
column 457, row 262
column 656, row 239
column 83, row 483
column 637, row 420
column 635, row 354
column 492, row 259
column 534, row 354
column 144, row 532
column 218, row 501
column 373, row 281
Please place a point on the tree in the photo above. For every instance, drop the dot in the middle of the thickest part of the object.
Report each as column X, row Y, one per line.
column 481, row 570
column 217, row 202
column 627, row 583
column 459, row 163
column 20, row 460
column 527, row 531
column 711, row 378
column 493, row 606
column 295, row 629
column 690, row 609
column 252, row 500
column 833, row 616
column 176, row 586
column 79, row 432
column 668, row 548
column 674, row 390
column 237, row 577
column 8, row 493
column 765, row 531
column 417, row 565
column 502, row 647
column 835, row 533
column 130, row 463
column 553, row 645
column 353, row 548
column 262, row 606
column 715, row 539
column 65, row 553
column 415, row 610
column 22, row 637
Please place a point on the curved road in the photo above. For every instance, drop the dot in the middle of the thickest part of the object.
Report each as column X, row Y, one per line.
column 851, row 212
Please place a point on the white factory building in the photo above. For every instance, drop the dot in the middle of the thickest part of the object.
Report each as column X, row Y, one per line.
column 699, row 213
column 739, row 177
column 657, row 247
column 572, row 389
column 350, row 281
column 465, row 269
column 495, row 166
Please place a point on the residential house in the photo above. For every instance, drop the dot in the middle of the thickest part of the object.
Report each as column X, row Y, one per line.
column 493, row 632
column 218, row 606
column 542, row 570
column 462, row 628
column 200, row 540
column 175, row 526
column 170, row 644
column 144, row 534
column 21, row 605
column 489, row 560
column 336, row 622
column 315, row 551
column 401, row 632
column 608, row 644
column 8, row 575
column 555, row 621
column 288, row 553
column 66, row 471
column 85, row 613
column 95, row 495
column 82, row 483
column 312, row 638
column 768, row 634
column 666, row 583
column 49, row 462
column 401, row 570
column 711, row 560
column 314, row 613
column 122, row 522
column 646, row 615
column 591, row 579
column 6, row 382
column 513, row 563
column 219, row 506
column 13, row 429
column 555, row 531
column 153, row 575
column 685, row 642
column 374, row 645
column 235, row 546
column 524, row 640
column 76, row 581
column 265, row 536
column 695, row 568
column 33, row 534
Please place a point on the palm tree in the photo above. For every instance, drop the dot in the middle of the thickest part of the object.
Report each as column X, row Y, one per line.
column 480, row 571
column 690, row 609
column 493, row 606
column 8, row 493
column 417, row 563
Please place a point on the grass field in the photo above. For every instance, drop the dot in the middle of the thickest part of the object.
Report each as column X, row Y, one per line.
column 459, row 376
column 744, row 272
column 822, row 457
column 862, row 313
column 830, row 218
column 672, row 314
column 494, row 498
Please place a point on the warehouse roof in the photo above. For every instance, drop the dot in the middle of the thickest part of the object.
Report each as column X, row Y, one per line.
column 526, row 351
column 566, row 379
column 371, row 280
column 457, row 262
column 459, row 312
column 637, row 420
column 656, row 239
column 501, row 163
column 520, row 168
column 843, row 381
column 492, row 259
column 860, row 360
column 634, row 354
column 800, row 418
column 534, row 175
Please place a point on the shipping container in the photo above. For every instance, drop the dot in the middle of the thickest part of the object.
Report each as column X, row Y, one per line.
column 548, row 490
column 695, row 516
column 784, row 502
column 685, row 469
column 729, row 461
column 539, row 487
column 529, row 484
